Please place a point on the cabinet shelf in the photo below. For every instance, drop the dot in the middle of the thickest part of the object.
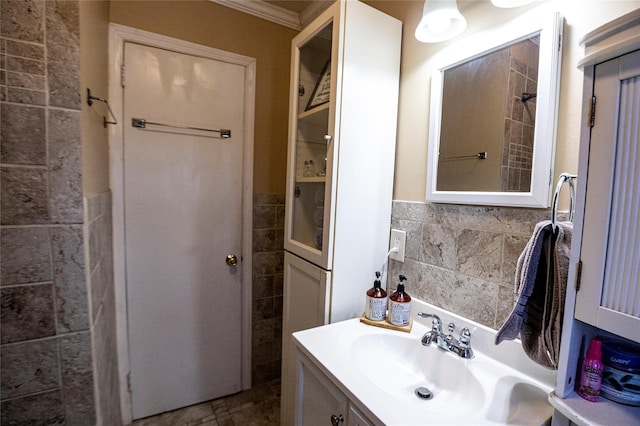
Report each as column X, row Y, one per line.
column 313, row 179
column 603, row 412
column 317, row 115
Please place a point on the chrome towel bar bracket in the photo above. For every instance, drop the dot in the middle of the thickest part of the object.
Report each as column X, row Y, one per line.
column 90, row 100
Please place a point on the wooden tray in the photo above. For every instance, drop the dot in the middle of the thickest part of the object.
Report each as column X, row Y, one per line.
column 387, row 324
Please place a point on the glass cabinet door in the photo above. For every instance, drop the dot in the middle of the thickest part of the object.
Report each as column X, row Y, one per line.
column 311, row 165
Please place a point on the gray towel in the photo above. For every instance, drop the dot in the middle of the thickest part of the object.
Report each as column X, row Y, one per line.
column 540, row 286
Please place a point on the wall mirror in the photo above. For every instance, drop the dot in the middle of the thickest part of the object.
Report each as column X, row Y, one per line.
column 493, row 116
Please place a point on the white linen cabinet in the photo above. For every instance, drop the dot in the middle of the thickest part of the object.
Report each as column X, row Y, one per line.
column 343, row 110
column 603, row 295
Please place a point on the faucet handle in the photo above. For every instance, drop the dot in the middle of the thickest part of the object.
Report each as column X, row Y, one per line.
column 436, row 323
column 465, row 338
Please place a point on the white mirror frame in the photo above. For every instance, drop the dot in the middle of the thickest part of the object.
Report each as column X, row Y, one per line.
column 550, row 28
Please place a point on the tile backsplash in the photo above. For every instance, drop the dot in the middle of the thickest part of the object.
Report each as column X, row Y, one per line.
column 463, row 258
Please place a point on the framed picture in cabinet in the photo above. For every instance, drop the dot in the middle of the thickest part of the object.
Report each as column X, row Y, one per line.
column 322, row 90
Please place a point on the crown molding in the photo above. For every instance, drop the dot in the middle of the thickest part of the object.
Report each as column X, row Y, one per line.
column 264, row 10
column 314, row 10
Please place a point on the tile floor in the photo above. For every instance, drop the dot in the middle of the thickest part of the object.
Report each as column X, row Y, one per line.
column 258, row 406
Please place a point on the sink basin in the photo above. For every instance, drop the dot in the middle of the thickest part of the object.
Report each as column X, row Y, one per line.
column 381, row 369
column 408, row 365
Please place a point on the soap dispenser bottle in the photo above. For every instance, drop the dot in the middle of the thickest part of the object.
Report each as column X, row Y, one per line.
column 400, row 305
column 376, row 309
column 591, row 372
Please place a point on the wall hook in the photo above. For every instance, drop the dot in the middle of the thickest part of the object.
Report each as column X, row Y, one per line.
column 90, row 100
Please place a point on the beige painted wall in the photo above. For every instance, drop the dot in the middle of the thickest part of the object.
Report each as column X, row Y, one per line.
column 94, row 17
column 581, row 16
column 213, row 25
column 217, row 26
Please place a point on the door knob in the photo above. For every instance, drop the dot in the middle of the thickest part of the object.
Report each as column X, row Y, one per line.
column 232, row 260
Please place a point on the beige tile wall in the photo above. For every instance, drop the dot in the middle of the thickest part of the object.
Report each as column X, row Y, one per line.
column 463, row 258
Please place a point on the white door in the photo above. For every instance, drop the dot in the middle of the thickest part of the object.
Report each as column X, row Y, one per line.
column 183, row 216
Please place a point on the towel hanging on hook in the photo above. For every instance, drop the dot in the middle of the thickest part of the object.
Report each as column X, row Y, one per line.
column 569, row 178
column 90, row 100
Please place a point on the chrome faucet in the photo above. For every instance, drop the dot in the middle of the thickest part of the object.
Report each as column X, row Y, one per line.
column 460, row 346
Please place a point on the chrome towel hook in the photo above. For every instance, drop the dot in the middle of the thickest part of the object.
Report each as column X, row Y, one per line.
column 564, row 177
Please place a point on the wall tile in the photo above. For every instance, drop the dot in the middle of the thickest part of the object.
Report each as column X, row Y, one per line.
column 63, row 53
column 264, row 217
column 280, row 212
column 29, row 368
column 487, row 243
column 105, row 363
column 25, row 50
column 97, row 205
column 518, row 221
column 24, row 196
column 267, row 240
column 479, row 254
column 29, row 97
column 77, row 379
column 101, row 279
column 425, row 282
column 27, row 313
column 475, row 299
column 439, row 246
column 65, row 167
column 26, row 81
column 24, row 65
column 263, row 198
column 262, row 308
column 41, row 409
column 26, row 255
column 506, row 302
column 100, row 233
column 409, row 211
column 278, row 284
column 268, row 243
column 268, row 263
column 263, row 287
column 513, row 245
column 22, row 19
column 69, row 278
column 22, row 134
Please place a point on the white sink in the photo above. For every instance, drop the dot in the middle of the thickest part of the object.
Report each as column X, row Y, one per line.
column 381, row 369
column 409, row 366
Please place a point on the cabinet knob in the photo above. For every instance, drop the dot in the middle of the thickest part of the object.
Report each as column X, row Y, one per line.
column 328, row 138
column 336, row 420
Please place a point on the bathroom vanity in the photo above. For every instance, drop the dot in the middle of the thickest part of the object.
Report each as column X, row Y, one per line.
column 351, row 373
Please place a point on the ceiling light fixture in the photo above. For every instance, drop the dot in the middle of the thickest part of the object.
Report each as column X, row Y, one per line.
column 510, row 3
column 441, row 20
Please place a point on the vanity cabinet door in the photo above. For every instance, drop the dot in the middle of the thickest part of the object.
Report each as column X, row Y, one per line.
column 319, row 401
column 356, row 418
column 609, row 295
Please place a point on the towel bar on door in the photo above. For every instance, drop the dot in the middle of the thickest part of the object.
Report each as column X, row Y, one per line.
column 564, row 177
column 141, row 123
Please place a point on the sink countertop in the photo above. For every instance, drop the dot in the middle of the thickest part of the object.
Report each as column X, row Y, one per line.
column 330, row 348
